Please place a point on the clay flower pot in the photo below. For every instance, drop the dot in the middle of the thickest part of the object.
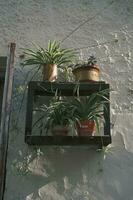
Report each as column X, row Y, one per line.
column 49, row 72
column 60, row 130
column 86, row 73
column 86, row 128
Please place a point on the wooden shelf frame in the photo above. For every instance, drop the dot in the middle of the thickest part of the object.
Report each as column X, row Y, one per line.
column 3, row 63
column 65, row 89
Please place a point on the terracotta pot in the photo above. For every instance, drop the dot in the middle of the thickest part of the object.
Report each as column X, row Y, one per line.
column 86, row 128
column 60, row 130
column 49, row 72
column 90, row 73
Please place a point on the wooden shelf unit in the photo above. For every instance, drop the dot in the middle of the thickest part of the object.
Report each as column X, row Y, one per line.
column 65, row 89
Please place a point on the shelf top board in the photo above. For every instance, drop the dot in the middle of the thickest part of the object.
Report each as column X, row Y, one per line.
column 43, row 87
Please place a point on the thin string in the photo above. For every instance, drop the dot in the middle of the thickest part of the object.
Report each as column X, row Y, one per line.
column 84, row 22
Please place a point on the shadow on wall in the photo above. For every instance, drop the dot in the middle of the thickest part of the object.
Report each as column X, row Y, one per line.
column 74, row 169
column 78, row 173
column 59, row 172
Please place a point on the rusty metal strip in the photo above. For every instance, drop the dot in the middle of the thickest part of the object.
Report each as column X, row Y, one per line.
column 5, row 117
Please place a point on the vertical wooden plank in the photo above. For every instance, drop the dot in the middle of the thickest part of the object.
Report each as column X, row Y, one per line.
column 107, row 116
column 3, row 63
column 29, row 114
column 5, row 117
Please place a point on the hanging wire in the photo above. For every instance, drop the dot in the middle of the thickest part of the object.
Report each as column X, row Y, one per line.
column 86, row 21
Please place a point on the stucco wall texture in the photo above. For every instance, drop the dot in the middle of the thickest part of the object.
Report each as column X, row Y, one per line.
column 73, row 173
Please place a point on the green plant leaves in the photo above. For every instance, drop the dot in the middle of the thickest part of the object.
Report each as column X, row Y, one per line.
column 62, row 112
column 53, row 54
column 90, row 107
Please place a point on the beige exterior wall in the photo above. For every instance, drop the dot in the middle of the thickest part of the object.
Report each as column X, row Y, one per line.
column 74, row 173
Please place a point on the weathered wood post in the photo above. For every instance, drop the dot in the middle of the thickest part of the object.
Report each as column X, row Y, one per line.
column 5, row 116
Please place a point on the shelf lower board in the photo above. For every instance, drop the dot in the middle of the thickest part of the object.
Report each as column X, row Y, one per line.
column 68, row 140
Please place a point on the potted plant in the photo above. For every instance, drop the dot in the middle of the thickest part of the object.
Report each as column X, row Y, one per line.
column 49, row 59
column 87, row 71
column 88, row 111
column 59, row 117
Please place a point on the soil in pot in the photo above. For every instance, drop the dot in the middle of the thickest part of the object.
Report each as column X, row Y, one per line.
column 86, row 128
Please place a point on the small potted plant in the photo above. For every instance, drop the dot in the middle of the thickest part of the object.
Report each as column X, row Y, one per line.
column 49, row 59
column 87, row 71
column 88, row 111
column 59, row 117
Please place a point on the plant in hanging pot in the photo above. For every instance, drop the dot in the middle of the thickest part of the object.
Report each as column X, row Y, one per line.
column 49, row 59
column 59, row 117
column 88, row 112
column 87, row 71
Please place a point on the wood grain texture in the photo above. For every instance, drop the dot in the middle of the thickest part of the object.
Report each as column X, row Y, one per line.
column 5, row 117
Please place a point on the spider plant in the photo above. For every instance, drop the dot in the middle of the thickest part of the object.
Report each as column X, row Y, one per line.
column 59, row 116
column 58, row 113
column 49, row 58
column 90, row 108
